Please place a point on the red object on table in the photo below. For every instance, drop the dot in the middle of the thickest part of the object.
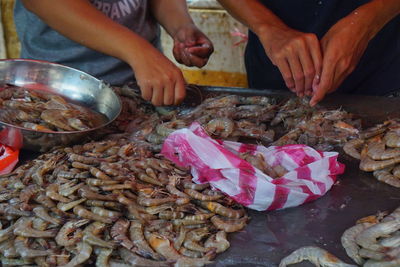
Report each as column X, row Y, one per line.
column 8, row 159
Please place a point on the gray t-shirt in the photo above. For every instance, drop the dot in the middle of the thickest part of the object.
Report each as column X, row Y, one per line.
column 39, row 41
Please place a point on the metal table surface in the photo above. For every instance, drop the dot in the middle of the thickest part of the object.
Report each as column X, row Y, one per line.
column 270, row 236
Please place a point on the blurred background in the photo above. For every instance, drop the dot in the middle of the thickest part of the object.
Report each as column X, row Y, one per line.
column 226, row 65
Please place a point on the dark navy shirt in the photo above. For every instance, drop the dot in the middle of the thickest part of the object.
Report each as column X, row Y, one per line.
column 378, row 71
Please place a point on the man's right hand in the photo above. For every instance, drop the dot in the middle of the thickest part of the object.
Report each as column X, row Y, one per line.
column 297, row 55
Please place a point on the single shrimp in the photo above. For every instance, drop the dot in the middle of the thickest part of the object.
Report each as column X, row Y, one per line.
column 171, row 187
column 190, row 253
column 384, row 175
column 84, row 252
column 103, row 256
column 157, row 209
column 118, row 233
column 114, row 215
column 7, row 233
column 100, row 182
column 44, row 200
column 137, row 237
column 392, row 138
column 103, row 204
column 374, row 263
column 178, row 241
column 349, row 243
column 24, row 228
column 230, row 225
column 148, row 179
column 367, row 164
column 199, row 187
column 134, row 260
column 197, row 195
column 43, row 214
column 86, row 192
column 85, row 214
column 353, row 147
column 62, row 238
column 222, row 127
column 72, row 175
column 316, row 255
column 193, row 237
column 392, row 241
column 221, row 210
column 201, row 216
column 15, row 262
column 21, row 246
column 70, row 205
column 99, row 174
column 90, row 235
column 7, row 249
column 69, row 188
column 395, row 215
column 169, row 215
column 371, row 254
column 149, row 202
column 52, row 192
column 218, row 241
column 368, row 238
column 163, row 246
column 378, row 151
column 83, row 159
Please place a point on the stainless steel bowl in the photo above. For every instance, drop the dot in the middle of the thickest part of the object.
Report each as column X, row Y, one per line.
column 74, row 85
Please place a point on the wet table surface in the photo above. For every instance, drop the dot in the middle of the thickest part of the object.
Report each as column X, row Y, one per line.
column 270, row 236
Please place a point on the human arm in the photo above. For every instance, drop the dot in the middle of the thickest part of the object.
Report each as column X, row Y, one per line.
column 191, row 46
column 80, row 21
column 345, row 43
column 296, row 54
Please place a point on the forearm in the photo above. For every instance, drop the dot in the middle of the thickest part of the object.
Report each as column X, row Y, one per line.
column 253, row 14
column 375, row 14
column 171, row 14
column 80, row 21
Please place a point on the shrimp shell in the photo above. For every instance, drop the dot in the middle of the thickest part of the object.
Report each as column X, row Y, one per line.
column 218, row 241
column 316, row 255
column 368, row 238
column 85, row 214
column 229, row 226
column 348, row 240
column 221, row 210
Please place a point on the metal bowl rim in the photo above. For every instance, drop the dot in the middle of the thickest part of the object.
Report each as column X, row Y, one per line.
column 76, row 70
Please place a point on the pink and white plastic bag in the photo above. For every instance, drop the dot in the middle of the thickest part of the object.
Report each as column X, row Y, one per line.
column 310, row 173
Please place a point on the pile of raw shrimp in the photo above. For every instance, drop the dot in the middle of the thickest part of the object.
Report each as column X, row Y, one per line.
column 378, row 149
column 111, row 202
column 373, row 242
column 44, row 112
column 256, row 119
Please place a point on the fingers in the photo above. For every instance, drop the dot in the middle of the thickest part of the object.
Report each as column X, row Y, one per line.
column 284, row 68
column 297, row 74
column 180, row 91
column 325, row 84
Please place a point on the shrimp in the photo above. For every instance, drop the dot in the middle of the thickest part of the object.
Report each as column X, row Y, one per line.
column 21, row 246
column 71, row 175
column 193, row 237
column 7, row 249
column 137, row 237
column 103, row 256
column 42, row 213
column 315, row 255
column 118, row 233
column 7, row 233
column 24, row 228
column 90, row 235
column 8, row 209
column 348, row 240
column 85, row 214
column 70, row 205
column 51, row 192
column 99, row 182
column 135, row 260
column 168, row 215
column 218, row 241
column 222, row 127
column 197, row 195
column 229, row 226
column 385, row 176
column 378, row 151
column 114, row 215
column 105, row 204
column 392, row 138
column 164, row 129
column 27, row 193
column 180, row 238
column 171, row 187
column 149, row 202
column 367, row 164
column 393, row 241
column 163, row 246
column 353, row 146
column 69, row 188
column 148, row 179
column 368, row 238
column 83, row 159
column 190, row 185
column 84, row 252
column 157, row 209
column 44, row 200
column 85, row 192
column 15, row 262
column 221, row 210
column 196, row 217
column 374, row 263
column 370, row 254
column 62, row 238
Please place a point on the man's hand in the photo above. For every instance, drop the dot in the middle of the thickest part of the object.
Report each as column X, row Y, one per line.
column 191, row 46
column 342, row 46
column 296, row 54
column 159, row 79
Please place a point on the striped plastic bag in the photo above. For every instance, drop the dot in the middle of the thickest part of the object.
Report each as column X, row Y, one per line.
column 310, row 173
